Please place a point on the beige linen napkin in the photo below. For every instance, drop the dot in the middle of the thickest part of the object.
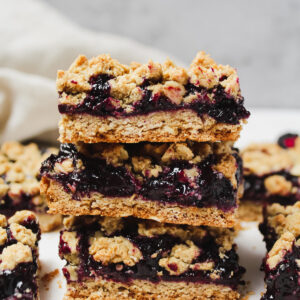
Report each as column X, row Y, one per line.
column 35, row 41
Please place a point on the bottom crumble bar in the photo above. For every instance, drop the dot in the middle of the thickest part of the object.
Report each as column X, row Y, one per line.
column 281, row 230
column 19, row 237
column 128, row 258
column 272, row 175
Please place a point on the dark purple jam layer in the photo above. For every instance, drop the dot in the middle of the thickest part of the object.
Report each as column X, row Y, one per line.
column 283, row 282
column 21, row 280
column 268, row 232
column 147, row 269
column 8, row 205
column 224, row 108
column 171, row 185
column 254, row 189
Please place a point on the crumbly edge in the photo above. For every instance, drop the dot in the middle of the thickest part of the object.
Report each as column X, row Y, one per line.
column 21, row 163
column 283, row 245
column 265, row 158
column 61, row 202
column 174, row 126
column 203, row 72
column 22, row 251
column 250, row 211
column 284, row 218
column 141, row 290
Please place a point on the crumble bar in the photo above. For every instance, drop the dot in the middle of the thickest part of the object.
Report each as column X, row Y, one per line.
column 271, row 174
column 19, row 183
column 19, row 237
column 281, row 230
column 102, row 100
column 130, row 258
column 184, row 183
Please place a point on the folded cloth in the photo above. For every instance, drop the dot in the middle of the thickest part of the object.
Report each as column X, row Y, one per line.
column 36, row 41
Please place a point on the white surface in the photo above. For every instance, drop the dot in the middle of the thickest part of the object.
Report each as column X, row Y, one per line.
column 264, row 125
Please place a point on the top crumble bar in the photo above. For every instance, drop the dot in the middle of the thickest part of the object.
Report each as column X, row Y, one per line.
column 102, row 100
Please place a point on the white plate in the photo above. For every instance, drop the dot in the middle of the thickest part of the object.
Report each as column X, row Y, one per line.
column 264, row 125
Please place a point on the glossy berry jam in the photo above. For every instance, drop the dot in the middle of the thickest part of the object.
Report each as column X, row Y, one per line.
column 170, row 186
column 224, row 108
column 148, row 267
column 19, row 283
column 283, row 281
column 288, row 140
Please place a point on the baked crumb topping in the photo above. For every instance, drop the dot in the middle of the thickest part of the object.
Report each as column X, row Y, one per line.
column 23, row 235
column 13, row 255
column 114, row 250
column 167, row 78
column 17, row 241
column 180, row 258
column 152, row 156
column 19, row 169
column 283, row 245
column 264, row 158
column 284, row 218
column 277, row 184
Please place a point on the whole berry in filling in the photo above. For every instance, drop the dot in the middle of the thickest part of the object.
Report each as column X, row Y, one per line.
column 288, row 140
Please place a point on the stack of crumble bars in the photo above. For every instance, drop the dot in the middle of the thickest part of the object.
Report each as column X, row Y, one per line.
column 149, row 178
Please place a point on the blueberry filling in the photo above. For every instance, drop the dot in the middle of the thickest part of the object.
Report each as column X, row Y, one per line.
column 287, row 140
column 19, row 281
column 9, row 205
column 148, row 267
column 270, row 236
column 224, row 108
column 254, row 189
column 22, row 279
column 283, row 281
column 171, row 185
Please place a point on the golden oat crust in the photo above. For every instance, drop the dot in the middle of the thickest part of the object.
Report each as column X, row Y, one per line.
column 144, row 290
column 61, row 202
column 174, row 126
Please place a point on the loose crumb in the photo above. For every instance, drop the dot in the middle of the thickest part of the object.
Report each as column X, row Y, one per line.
column 59, row 283
column 48, row 277
column 246, row 297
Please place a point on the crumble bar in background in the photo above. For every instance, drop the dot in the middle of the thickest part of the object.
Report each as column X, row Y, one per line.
column 19, row 183
column 281, row 231
column 143, row 259
column 183, row 183
column 19, row 266
column 271, row 175
column 102, row 100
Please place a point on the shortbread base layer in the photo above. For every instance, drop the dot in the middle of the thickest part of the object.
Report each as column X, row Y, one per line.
column 165, row 126
column 142, row 290
column 250, row 211
column 61, row 202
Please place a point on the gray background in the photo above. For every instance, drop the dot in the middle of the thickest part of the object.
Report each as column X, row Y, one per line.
column 261, row 38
